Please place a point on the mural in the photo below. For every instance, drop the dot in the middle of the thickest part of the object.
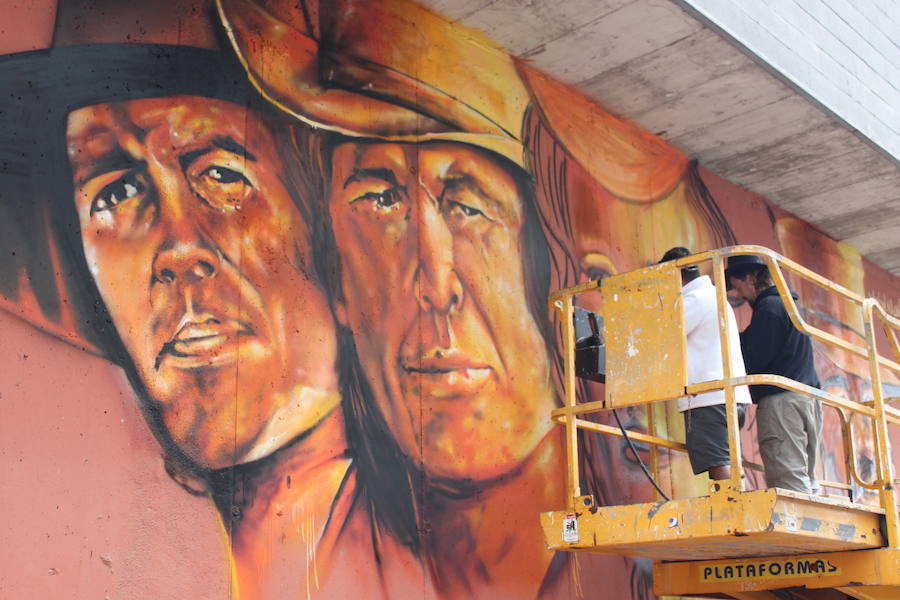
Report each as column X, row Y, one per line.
column 318, row 238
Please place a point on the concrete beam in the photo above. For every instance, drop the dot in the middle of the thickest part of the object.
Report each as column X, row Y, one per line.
column 689, row 70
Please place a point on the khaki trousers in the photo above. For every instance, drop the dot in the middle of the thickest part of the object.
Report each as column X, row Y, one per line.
column 789, row 426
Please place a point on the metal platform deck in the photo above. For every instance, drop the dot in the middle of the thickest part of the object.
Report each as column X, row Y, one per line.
column 725, row 524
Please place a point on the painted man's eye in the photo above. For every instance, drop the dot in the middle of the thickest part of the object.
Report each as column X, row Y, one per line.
column 224, row 175
column 596, row 273
column 466, row 210
column 124, row 188
column 597, row 266
column 464, row 203
column 382, row 200
column 223, row 187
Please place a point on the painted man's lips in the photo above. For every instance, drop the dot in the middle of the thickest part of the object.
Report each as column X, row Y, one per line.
column 203, row 342
column 447, row 376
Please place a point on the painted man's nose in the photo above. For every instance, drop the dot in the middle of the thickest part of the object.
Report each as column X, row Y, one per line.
column 185, row 262
column 439, row 289
column 185, row 256
column 437, row 285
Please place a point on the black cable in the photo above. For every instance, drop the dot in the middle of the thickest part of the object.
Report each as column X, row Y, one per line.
column 638, row 457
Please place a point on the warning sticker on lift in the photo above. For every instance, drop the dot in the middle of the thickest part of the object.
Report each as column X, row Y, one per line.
column 570, row 529
column 768, row 569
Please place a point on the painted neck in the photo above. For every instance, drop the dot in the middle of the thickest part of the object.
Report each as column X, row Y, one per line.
column 490, row 537
column 280, row 510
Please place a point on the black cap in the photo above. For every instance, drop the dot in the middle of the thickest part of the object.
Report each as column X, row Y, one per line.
column 740, row 265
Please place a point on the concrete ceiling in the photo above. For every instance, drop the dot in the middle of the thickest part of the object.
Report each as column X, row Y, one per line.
column 654, row 63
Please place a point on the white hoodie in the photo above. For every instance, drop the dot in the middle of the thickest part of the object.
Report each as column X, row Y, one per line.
column 704, row 351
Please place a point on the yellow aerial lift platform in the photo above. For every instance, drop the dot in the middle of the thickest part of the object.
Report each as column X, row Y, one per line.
column 733, row 542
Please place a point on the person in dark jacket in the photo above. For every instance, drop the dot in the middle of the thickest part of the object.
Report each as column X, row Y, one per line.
column 789, row 424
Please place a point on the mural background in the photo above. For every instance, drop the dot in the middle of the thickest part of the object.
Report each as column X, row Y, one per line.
column 97, row 501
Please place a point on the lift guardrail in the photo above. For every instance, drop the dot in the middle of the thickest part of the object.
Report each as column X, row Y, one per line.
column 646, row 363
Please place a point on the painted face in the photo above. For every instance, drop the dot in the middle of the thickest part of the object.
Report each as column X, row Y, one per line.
column 430, row 239
column 203, row 261
column 615, row 236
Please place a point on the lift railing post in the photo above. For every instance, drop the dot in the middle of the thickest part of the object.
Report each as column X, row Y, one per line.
column 888, row 492
column 654, row 449
column 574, row 484
column 734, row 434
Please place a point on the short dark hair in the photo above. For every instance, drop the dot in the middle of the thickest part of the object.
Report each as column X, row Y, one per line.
column 762, row 278
column 688, row 273
column 675, row 253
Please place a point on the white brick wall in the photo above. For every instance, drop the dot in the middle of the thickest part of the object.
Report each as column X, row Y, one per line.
column 843, row 53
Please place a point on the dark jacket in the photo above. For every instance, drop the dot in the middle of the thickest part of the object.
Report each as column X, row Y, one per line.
column 772, row 345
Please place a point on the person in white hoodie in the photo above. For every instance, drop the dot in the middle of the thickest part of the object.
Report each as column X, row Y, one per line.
column 706, row 434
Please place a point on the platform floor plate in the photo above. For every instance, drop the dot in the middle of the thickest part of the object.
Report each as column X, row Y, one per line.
column 724, row 524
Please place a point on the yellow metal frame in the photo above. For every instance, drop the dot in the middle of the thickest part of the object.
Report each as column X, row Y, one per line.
column 883, row 415
column 851, row 572
column 643, row 328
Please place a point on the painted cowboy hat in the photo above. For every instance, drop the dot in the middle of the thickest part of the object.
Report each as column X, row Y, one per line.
column 392, row 71
column 398, row 71
column 631, row 163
